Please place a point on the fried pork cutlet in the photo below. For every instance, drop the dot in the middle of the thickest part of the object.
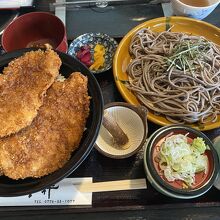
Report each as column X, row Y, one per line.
column 22, row 87
column 46, row 145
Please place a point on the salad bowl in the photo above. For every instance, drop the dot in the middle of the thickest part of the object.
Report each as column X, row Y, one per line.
column 180, row 162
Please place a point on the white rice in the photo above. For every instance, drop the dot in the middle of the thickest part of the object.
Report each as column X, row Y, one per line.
column 60, row 78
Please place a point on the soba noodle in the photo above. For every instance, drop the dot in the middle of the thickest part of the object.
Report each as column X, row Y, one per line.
column 176, row 75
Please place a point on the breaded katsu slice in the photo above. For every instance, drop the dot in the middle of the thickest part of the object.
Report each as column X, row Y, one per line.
column 22, row 86
column 46, row 145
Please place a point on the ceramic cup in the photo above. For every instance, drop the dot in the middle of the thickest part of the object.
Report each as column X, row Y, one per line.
column 35, row 27
column 182, row 9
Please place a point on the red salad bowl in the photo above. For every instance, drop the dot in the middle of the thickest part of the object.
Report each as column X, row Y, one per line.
column 203, row 180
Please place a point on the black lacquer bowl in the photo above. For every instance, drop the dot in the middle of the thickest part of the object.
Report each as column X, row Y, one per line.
column 9, row 187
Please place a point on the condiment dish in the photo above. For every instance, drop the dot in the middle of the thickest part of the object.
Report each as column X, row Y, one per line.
column 90, row 41
column 132, row 120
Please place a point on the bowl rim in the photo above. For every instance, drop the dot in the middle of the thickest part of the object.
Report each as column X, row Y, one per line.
column 148, row 161
column 143, row 118
column 96, row 35
column 13, row 15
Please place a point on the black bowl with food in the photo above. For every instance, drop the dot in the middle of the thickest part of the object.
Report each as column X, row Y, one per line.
column 62, row 109
column 181, row 162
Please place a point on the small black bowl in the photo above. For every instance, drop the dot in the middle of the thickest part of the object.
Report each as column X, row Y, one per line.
column 160, row 182
column 9, row 187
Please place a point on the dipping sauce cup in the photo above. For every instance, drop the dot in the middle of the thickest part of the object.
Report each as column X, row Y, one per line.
column 198, row 9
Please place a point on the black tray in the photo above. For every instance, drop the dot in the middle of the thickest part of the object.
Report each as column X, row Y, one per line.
column 136, row 203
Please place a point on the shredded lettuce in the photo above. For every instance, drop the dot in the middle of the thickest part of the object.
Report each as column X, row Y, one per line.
column 199, row 144
column 181, row 160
